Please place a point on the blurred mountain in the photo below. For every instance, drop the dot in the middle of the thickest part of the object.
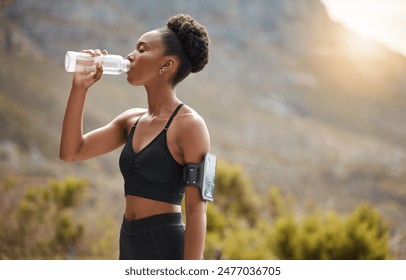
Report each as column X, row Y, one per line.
column 294, row 97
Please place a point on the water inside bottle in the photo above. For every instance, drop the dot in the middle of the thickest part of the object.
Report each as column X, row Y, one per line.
column 82, row 62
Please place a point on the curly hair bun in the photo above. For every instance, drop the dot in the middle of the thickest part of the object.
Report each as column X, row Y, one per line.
column 194, row 38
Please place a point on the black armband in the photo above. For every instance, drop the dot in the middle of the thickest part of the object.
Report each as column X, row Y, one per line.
column 202, row 175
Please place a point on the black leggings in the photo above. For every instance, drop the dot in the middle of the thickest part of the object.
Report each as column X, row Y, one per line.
column 159, row 237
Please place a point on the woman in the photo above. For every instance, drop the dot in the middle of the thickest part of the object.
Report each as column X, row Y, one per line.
column 157, row 141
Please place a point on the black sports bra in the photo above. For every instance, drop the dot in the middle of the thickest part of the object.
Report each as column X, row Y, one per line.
column 152, row 172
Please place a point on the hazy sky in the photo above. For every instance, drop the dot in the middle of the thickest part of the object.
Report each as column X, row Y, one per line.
column 383, row 20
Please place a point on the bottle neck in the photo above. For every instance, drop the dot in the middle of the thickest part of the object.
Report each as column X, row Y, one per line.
column 126, row 65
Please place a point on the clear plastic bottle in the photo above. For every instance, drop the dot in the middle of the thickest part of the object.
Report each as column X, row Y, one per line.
column 112, row 64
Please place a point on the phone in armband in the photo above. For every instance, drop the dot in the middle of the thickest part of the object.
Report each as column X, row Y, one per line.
column 202, row 175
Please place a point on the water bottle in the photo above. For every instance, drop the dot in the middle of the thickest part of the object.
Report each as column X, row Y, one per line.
column 112, row 64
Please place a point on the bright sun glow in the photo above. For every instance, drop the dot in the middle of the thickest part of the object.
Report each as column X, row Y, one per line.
column 382, row 20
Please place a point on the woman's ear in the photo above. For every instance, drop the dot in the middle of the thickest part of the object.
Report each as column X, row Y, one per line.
column 169, row 64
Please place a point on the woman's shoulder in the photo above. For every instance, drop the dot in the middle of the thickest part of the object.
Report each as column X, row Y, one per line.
column 130, row 116
column 133, row 112
column 193, row 135
column 191, row 121
column 189, row 118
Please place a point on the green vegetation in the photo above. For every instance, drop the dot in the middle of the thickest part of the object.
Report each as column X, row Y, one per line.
column 41, row 225
column 362, row 235
column 244, row 225
column 49, row 222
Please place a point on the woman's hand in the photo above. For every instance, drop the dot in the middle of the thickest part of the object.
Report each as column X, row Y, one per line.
column 87, row 78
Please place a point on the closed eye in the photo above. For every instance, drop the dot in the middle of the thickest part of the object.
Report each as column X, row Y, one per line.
column 141, row 47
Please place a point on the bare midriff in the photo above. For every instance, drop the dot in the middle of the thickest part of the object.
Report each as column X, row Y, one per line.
column 138, row 207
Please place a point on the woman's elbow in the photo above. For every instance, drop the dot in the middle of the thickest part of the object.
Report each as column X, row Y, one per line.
column 66, row 157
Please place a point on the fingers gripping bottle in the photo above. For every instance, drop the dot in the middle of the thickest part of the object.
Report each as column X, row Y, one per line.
column 83, row 62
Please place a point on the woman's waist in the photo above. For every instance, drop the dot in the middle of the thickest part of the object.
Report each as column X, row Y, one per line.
column 152, row 223
column 141, row 207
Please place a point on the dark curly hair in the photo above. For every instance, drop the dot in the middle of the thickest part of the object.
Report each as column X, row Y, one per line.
column 189, row 41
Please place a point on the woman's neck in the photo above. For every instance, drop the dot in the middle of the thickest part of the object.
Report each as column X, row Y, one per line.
column 161, row 100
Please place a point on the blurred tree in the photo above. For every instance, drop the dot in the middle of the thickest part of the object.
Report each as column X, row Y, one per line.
column 367, row 234
column 242, row 242
column 242, row 226
column 363, row 235
column 283, row 238
column 235, row 194
column 276, row 204
column 216, row 224
column 234, row 226
column 42, row 225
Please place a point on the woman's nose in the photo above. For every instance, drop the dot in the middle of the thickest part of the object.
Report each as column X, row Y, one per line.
column 130, row 57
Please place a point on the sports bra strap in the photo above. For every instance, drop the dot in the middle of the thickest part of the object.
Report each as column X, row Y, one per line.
column 170, row 119
column 173, row 115
column 135, row 124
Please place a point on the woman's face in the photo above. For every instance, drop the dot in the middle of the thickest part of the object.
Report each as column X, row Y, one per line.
column 146, row 60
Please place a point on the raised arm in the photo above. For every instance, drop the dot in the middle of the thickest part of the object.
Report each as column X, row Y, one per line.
column 74, row 146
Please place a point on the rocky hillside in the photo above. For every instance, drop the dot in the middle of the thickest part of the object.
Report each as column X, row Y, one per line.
column 297, row 99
